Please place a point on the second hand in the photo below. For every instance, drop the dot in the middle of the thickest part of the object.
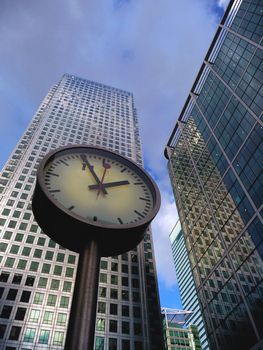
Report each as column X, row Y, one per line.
column 106, row 166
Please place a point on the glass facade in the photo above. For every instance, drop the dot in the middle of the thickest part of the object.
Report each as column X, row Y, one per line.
column 215, row 163
column 186, row 284
column 37, row 275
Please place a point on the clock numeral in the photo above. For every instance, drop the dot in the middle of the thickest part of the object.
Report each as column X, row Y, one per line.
column 72, row 207
column 120, row 220
column 138, row 183
column 54, row 191
column 140, row 214
column 124, row 169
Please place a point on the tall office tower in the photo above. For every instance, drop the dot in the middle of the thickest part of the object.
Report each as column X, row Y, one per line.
column 186, row 283
column 215, row 162
column 37, row 275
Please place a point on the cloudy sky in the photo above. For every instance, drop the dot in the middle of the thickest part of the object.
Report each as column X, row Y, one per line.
column 152, row 48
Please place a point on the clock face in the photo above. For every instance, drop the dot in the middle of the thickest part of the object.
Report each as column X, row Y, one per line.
column 99, row 186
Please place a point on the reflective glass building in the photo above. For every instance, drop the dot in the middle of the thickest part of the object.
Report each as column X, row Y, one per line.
column 36, row 274
column 186, row 284
column 215, row 157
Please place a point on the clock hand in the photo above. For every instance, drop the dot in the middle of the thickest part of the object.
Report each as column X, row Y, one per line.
column 109, row 184
column 106, row 166
column 91, row 169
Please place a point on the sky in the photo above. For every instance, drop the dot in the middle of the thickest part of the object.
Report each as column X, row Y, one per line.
column 152, row 48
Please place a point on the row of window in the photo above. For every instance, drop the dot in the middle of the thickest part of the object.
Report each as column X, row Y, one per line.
column 113, row 326
column 124, row 310
column 44, row 336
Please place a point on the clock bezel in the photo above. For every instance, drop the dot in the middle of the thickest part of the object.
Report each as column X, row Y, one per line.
column 43, row 200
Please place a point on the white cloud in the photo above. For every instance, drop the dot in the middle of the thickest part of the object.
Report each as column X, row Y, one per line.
column 223, row 3
column 162, row 227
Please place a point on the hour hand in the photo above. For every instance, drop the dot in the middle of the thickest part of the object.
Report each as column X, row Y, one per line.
column 109, row 184
column 91, row 169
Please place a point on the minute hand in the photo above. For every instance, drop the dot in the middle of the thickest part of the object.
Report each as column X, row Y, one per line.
column 109, row 184
column 91, row 169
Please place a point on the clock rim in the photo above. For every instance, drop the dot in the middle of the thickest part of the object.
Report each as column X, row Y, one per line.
column 97, row 224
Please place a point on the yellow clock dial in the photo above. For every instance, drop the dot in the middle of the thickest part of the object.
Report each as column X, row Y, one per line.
column 98, row 188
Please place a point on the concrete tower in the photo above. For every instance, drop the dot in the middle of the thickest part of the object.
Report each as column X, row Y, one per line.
column 37, row 275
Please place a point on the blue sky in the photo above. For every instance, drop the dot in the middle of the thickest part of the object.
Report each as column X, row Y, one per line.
column 151, row 48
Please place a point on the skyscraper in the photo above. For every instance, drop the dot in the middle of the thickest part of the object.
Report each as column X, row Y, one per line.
column 215, row 164
column 37, row 275
column 186, row 283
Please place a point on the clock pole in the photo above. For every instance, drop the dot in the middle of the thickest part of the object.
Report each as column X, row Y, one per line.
column 81, row 328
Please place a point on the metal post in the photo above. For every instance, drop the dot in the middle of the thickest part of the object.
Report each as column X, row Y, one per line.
column 81, row 328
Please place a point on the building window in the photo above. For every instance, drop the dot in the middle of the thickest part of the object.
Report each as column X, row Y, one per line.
column 25, row 296
column 48, row 317
column 113, row 326
column 9, row 262
column 17, row 279
column 113, row 344
column 46, row 268
column 58, row 270
column 137, row 329
column 58, row 338
column 100, row 324
column 12, row 294
column 125, row 295
column 136, row 311
column 52, row 299
column 39, row 297
column 2, row 330
column 34, row 315
column 103, row 277
column 67, row 286
column 103, row 265
column 30, row 281
column 125, row 344
column 64, row 301
column 125, row 310
column 61, row 319
column 102, row 292
column 4, row 277
column 99, row 343
column 114, row 279
column 20, row 313
column 114, row 293
column 21, row 264
column 71, row 259
column 125, row 327
column 29, row 335
column 101, row 307
column 42, row 283
column 14, row 333
column 6, row 311
column 69, row 272
column 55, row 284
column 43, row 336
